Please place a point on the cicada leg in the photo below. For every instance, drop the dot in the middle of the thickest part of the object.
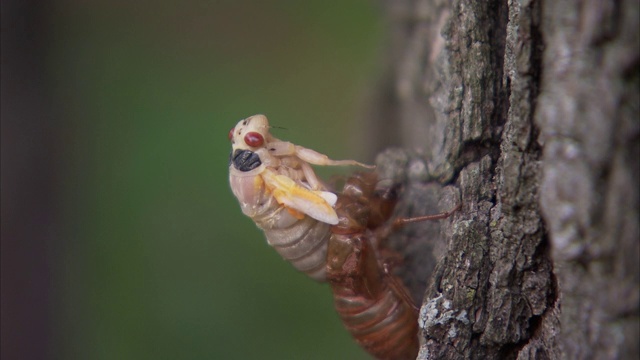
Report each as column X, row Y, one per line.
column 389, row 258
column 403, row 221
column 400, row 289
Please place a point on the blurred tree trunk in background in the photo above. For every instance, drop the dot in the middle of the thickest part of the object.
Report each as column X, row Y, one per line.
column 28, row 209
column 527, row 112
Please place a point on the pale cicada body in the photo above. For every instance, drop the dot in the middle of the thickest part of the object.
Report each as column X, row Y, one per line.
column 277, row 188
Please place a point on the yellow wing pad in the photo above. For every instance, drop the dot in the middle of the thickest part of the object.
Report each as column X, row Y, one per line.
column 317, row 204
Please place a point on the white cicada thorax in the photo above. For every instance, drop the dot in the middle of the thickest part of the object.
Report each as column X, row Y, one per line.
column 277, row 188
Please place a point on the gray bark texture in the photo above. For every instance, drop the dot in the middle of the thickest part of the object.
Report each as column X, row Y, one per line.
column 527, row 112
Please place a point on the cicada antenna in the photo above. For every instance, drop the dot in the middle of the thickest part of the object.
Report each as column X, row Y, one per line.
column 277, row 127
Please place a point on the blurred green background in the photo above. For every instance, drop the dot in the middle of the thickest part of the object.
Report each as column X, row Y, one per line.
column 151, row 256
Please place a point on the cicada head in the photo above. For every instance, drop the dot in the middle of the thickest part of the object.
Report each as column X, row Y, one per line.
column 251, row 133
column 248, row 139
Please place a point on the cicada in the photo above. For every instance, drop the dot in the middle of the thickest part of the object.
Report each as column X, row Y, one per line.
column 374, row 305
column 278, row 189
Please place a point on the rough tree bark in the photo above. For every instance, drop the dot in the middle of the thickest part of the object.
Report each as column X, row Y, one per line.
column 527, row 112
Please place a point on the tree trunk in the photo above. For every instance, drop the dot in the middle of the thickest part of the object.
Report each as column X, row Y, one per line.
column 526, row 112
column 28, row 206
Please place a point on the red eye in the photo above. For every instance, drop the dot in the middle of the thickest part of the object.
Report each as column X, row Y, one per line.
column 253, row 139
column 231, row 133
